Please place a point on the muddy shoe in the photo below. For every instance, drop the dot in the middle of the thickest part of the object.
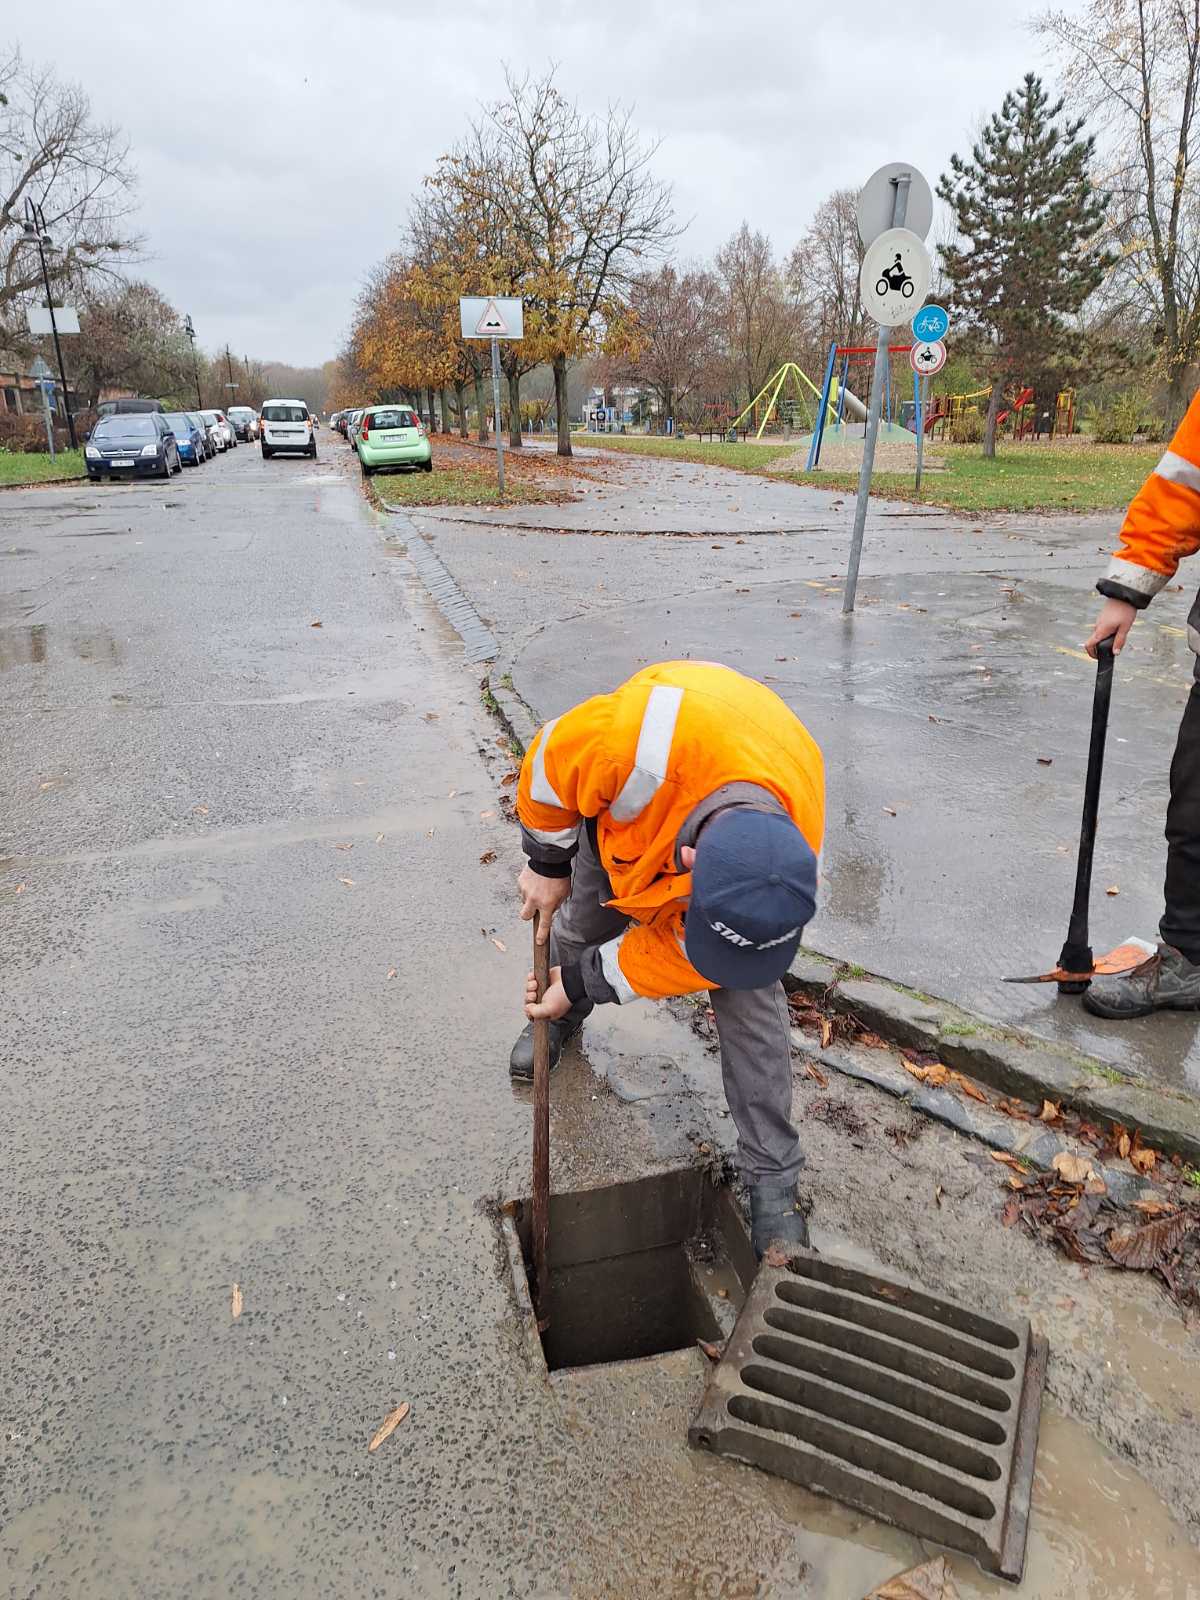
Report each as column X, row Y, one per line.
column 775, row 1217
column 1167, row 981
column 520, row 1062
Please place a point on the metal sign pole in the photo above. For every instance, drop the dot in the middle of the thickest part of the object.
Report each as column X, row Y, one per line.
column 43, row 385
column 496, row 408
column 899, row 208
column 922, row 408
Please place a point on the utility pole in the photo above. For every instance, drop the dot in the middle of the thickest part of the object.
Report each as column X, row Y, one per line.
column 191, row 333
column 35, row 229
column 231, row 386
column 496, row 408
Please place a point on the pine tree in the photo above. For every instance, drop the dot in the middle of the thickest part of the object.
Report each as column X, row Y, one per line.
column 1028, row 220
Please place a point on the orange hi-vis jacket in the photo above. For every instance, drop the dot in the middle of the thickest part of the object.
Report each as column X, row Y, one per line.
column 639, row 760
column 1162, row 525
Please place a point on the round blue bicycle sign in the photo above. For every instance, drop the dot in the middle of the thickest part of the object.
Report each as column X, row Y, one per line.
column 930, row 323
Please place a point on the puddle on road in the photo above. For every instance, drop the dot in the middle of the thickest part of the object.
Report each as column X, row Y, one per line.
column 36, row 644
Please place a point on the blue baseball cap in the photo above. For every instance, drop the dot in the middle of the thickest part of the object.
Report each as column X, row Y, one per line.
column 754, row 887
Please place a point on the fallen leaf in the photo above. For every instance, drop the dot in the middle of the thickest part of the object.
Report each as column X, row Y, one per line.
column 1045, row 761
column 487, row 858
column 1142, row 1160
column 349, row 882
column 1112, row 889
column 931, row 1581
column 1072, row 1169
column 500, row 945
column 388, row 1427
column 20, row 889
column 343, row 847
column 508, row 779
column 1155, row 1208
column 937, row 1195
column 1010, row 1213
column 815, row 1073
column 1050, row 1112
column 712, row 1351
column 1148, row 1246
column 486, row 816
column 936, row 1074
column 378, row 838
column 1014, row 1182
column 826, row 1033
column 1007, row 1159
column 391, row 972
column 451, row 794
column 315, row 624
column 429, row 716
column 971, row 1090
column 201, row 810
column 889, row 811
column 1123, row 1145
column 235, row 1302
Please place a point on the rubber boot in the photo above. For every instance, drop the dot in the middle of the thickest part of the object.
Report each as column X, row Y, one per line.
column 775, row 1217
column 520, row 1062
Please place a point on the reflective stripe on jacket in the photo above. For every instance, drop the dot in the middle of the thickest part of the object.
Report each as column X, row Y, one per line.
column 1162, row 524
column 639, row 760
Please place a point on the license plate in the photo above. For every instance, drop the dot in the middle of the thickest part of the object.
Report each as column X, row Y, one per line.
column 124, row 462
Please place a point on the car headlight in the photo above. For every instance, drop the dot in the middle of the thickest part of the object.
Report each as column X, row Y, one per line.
column 150, row 449
column 92, row 453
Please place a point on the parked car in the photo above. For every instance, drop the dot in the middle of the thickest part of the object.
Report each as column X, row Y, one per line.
column 245, row 421
column 137, row 444
column 352, row 425
column 286, row 425
column 189, row 436
column 338, row 422
column 392, row 436
column 130, row 406
column 208, row 433
column 226, row 438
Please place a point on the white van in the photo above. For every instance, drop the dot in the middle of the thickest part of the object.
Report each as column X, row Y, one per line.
column 286, row 425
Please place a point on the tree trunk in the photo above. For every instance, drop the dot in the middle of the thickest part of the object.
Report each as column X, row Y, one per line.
column 1178, row 397
column 444, row 395
column 480, row 409
column 993, row 410
column 514, row 410
column 560, row 406
column 669, row 412
column 460, row 396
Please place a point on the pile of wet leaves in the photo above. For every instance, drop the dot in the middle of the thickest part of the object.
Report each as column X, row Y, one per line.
column 1069, row 1206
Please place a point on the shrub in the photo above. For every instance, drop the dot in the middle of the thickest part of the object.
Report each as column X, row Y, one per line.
column 1127, row 414
column 967, row 428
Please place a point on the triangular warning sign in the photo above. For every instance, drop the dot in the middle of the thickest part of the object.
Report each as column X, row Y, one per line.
column 491, row 322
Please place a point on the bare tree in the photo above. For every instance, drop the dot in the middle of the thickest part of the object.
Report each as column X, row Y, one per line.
column 76, row 169
column 761, row 319
column 1134, row 70
column 587, row 210
column 675, row 328
column 823, row 269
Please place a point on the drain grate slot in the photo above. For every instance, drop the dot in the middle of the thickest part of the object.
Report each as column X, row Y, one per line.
column 861, row 1378
column 912, row 1330
column 917, row 1410
column 890, row 1353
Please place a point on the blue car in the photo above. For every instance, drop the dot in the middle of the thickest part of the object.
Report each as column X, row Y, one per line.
column 188, row 436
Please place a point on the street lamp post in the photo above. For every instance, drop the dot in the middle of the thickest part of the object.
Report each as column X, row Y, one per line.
column 35, row 230
column 191, row 333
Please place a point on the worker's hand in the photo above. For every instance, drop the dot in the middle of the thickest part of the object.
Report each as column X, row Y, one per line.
column 555, row 1002
column 541, row 894
column 1114, row 622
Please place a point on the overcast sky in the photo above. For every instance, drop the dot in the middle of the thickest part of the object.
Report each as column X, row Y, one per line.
column 278, row 144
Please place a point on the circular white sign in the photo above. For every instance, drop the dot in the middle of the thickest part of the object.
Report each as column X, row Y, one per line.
column 877, row 196
column 894, row 279
column 927, row 357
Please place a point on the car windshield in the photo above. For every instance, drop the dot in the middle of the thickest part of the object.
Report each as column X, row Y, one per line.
column 241, row 412
column 393, row 419
column 112, row 430
column 178, row 422
column 284, row 414
column 210, row 416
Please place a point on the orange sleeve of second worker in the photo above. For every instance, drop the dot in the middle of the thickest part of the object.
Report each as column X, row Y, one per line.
column 1162, row 525
column 653, row 962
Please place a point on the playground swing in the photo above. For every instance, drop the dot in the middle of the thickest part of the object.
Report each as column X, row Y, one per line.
column 785, row 407
column 836, row 397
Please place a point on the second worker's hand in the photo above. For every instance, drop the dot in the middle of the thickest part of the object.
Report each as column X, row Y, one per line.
column 1114, row 622
column 539, row 894
column 555, row 1002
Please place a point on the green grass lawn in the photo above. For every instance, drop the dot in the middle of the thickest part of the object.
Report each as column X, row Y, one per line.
column 458, row 486
column 17, row 467
column 1079, row 477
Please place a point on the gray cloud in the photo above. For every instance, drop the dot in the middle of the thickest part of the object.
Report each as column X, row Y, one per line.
column 277, row 151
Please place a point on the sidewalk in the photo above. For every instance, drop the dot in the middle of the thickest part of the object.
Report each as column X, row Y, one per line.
column 950, row 846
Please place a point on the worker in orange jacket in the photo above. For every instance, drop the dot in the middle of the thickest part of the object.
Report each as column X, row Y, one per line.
column 1161, row 526
column 672, row 830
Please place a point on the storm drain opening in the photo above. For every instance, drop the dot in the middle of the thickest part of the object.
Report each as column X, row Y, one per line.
column 917, row 1410
column 636, row 1269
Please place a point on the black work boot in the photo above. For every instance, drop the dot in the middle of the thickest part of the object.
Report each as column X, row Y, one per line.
column 520, row 1062
column 1165, row 981
column 776, row 1217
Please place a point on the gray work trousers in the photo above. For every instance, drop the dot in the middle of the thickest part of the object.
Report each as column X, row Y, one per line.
column 752, row 1026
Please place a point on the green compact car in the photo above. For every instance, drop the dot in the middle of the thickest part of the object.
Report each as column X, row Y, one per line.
column 392, row 436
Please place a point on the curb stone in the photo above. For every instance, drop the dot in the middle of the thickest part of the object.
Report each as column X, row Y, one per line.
column 1008, row 1059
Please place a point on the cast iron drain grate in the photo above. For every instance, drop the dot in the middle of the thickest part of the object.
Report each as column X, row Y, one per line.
column 916, row 1410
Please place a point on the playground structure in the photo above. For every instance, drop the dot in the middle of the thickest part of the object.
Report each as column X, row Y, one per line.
column 835, row 397
column 1021, row 417
column 795, row 409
